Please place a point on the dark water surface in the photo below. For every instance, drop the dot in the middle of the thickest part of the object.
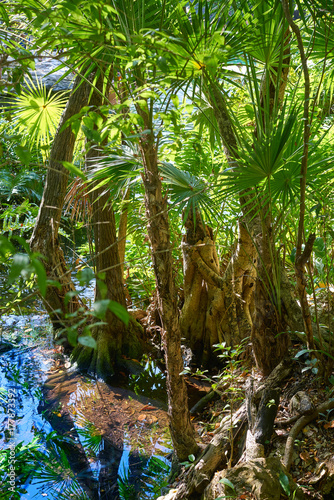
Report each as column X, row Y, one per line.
column 85, row 465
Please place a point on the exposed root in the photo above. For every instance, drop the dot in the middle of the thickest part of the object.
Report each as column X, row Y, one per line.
column 299, row 425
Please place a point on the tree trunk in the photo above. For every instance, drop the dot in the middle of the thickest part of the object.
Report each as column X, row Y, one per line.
column 214, row 310
column 270, row 338
column 199, row 475
column 113, row 337
column 45, row 238
column 122, row 229
column 181, row 429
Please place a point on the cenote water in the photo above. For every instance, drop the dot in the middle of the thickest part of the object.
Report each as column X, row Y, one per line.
column 76, row 437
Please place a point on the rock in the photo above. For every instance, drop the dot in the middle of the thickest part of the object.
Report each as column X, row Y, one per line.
column 301, row 404
column 263, row 477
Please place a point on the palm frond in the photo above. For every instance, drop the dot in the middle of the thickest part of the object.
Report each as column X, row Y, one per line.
column 188, row 192
column 25, row 184
column 37, row 112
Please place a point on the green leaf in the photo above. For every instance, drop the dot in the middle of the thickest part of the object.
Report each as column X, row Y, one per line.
column 75, row 170
column 41, row 275
column 293, row 255
column 87, row 341
column 162, row 64
column 92, row 135
column 23, row 154
column 300, row 353
column 6, row 247
column 119, row 311
column 100, row 308
column 21, row 262
column 85, row 276
column 227, row 482
column 284, row 482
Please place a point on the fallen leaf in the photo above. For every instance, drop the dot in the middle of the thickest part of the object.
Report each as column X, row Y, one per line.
column 148, row 408
column 151, row 419
column 329, row 425
column 304, row 455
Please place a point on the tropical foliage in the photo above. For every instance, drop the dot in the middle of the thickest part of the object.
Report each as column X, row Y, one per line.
column 205, row 131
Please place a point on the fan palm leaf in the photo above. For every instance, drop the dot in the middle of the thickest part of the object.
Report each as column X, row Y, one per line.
column 37, row 112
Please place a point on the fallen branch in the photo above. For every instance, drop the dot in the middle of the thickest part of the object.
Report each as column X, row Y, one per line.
column 299, row 425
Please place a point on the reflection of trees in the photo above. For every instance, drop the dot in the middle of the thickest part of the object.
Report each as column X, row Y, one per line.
column 109, row 457
column 77, row 459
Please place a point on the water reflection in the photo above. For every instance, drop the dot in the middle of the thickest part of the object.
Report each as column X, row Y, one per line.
column 61, row 452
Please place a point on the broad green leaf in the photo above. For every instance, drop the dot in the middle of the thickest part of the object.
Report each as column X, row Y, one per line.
column 6, row 248
column 119, row 311
column 227, row 482
column 21, row 262
column 85, row 276
column 284, row 482
column 100, row 308
column 23, row 154
column 301, row 352
column 87, row 341
column 92, row 135
column 162, row 64
column 41, row 275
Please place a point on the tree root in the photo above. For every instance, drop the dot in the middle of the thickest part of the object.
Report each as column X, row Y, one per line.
column 214, row 457
column 299, row 425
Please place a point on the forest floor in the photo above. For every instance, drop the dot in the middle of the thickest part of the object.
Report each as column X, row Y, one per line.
column 116, row 411
column 312, row 465
column 131, row 420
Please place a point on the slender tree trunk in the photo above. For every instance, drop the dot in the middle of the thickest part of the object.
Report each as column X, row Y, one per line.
column 269, row 338
column 122, row 230
column 45, row 239
column 159, row 234
column 301, row 258
column 113, row 337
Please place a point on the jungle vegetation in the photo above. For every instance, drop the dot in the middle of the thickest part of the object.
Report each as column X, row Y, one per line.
column 193, row 157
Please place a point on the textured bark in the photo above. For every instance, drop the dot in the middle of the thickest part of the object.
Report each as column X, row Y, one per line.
column 159, row 234
column 122, row 230
column 301, row 286
column 213, row 457
column 216, row 308
column 300, row 258
column 261, row 416
column 113, row 337
column 45, row 239
column 269, row 336
column 269, row 344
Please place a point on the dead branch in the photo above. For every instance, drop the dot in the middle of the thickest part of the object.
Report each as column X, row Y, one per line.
column 299, row 425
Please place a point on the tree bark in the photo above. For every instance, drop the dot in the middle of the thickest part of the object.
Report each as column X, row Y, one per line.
column 213, row 458
column 113, row 337
column 181, row 429
column 216, row 308
column 300, row 259
column 269, row 338
column 45, row 239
